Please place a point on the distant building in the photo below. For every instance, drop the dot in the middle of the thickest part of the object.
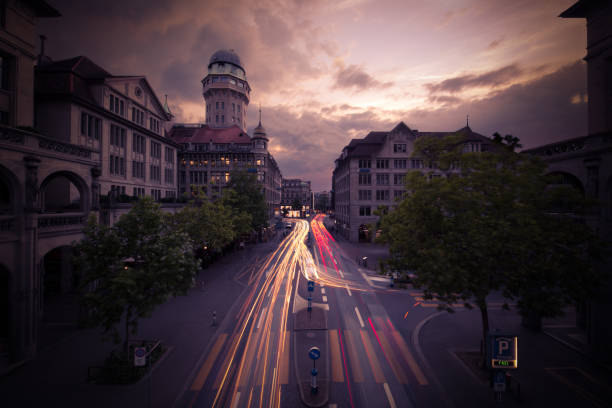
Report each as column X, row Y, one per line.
column 370, row 173
column 209, row 152
column 296, row 191
column 322, row 201
column 120, row 117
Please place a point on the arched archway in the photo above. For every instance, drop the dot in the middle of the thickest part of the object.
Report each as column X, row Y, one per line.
column 566, row 179
column 10, row 193
column 64, row 191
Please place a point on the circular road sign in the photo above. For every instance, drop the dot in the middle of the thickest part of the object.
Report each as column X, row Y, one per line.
column 314, row 353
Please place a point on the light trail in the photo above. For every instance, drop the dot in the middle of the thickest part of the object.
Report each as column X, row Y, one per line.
column 258, row 342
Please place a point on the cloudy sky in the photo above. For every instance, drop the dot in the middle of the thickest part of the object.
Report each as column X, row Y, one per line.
column 329, row 71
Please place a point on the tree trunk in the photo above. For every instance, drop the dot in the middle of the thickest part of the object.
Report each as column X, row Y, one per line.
column 484, row 314
column 128, row 315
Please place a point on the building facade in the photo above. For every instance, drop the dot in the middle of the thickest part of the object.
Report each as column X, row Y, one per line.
column 322, row 201
column 370, row 173
column 209, row 152
column 294, row 191
column 586, row 163
column 120, row 117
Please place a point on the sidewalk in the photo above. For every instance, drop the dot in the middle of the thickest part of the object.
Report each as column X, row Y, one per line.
column 549, row 373
column 58, row 374
column 355, row 251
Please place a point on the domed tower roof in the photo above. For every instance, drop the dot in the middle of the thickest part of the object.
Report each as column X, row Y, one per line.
column 229, row 56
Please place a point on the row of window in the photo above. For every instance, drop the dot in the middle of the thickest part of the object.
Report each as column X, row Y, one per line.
column 155, row 150
column 169, row 176
column 91, row 126
column 397, row 163
column 169, row 154
column 116, row 165
column 138, row 169
column 138, row 116
column 116, row 105
column 197, row 177
column 155, row 172
column 138, row 143
column 117, row 136
column 154, row 125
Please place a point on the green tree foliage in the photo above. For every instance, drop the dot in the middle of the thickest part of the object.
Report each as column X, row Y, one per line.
column 210, row 224
column 489, row 227
column 244, row 196
column 132, row 267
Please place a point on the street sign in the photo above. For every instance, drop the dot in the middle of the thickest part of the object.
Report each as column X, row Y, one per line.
column 503, row 350
column 314, row 353
column 311, row 286
column 499, row 381
column 139, row 356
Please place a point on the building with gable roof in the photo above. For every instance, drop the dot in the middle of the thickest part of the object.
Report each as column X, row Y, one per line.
column 209, row 152
column 121, row 117
column 370, row 172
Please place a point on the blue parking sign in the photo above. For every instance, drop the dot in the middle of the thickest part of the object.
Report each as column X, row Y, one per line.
column 503, row 350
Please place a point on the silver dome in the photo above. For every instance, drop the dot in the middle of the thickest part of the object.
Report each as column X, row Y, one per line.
column 226, row 56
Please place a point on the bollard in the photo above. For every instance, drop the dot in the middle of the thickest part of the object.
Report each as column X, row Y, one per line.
column 309, row 303
column 214, row 318
column 313, row 384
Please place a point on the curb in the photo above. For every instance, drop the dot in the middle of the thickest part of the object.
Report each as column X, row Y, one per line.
column 430, row 373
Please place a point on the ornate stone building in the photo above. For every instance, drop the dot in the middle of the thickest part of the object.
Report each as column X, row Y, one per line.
column 296, row 190
column 209, row 152
column 120, row 117
column 370, row 172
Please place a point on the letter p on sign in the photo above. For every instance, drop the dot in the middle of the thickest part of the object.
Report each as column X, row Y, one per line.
column 503, row 346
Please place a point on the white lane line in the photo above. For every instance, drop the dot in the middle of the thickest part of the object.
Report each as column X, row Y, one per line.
column 341, row 274
column 348, row 290
column 236, row 399
column 359, row 316
column 325, row 298
column 389, row 396
column 322, row 291
column 263, row 312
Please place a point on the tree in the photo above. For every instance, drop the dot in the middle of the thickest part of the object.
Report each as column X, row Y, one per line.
column 210, row 224
column 131, row 268
column 244, row 195
column 488, row 227
column 296, row 204
column 510, row 142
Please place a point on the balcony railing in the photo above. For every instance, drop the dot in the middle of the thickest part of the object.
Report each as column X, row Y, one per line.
column 33, row 142
column 61, row 220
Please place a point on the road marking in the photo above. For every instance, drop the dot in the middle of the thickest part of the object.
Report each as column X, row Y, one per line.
column 399, row 372
column 359, row 316
column 235, row 400
column 324, row 298
column 389, row 396
column 374, row 364
column 263, row 312
column 353, row 357
column 284, row 364
column 322, row 291
column 348, row 290
column 341, row 274
column 414, row 367
column 198, row 383
column 337, row 375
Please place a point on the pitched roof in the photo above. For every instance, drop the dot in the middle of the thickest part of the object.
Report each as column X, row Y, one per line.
column 205, row 134
column 81, row 66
